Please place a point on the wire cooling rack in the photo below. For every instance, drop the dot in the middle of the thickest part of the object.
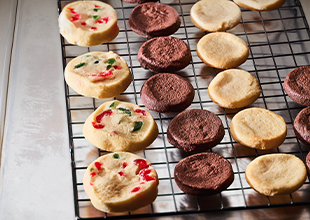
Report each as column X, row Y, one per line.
column 278, row 41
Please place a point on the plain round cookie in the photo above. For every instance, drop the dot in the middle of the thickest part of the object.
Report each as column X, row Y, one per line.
column 302, row 126
column 203, row 174
column 154, row 19
column 119, row 182
column 234, row 88
column 258, row 128
column 222, row 50
column 139, row 1
column 215, row 15
column 120, row 126
column 164, row 54
column 88, row 23
column 166, row 92
column 275, row 174
column 297, row 85
column 195, row 130
column 261, row 5
column 98, row 74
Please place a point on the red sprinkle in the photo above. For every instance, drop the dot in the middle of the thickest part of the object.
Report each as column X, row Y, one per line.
column 98, row 165
column 142, row 183
column 138, row 110
column 91, row 184
column 93, row 28
column 114, row 132
column 103, row 74
column 97, row 126
column 124, row 164
column 83, row 23
column 103, row 114
column 117, row 67
column 136, row 189
column 103, row 20
column 76, row 17
column 145, row 175
column 72, row 10
column 93, row 174
column 121, row 173
column 141, row 163
column 97, row 6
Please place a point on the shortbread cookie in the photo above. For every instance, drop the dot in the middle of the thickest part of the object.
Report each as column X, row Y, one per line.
column 166, row 92
column 98, row 74
column 119, row 182
column 258, row 128
column 297, row 85
column 261, row 5
column 215, row 15
column 88, row 23
column 222, row 50
column 275, row 174
column 154, row 20
column 302, row 125
column 234, row 88
column 164, row 54
column 203, row 174
column 120, row 126
column 195, row 130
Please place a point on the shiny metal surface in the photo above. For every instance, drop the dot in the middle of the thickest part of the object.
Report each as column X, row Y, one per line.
column 36, row 180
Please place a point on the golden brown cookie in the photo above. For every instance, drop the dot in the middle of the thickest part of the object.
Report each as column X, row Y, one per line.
column 222, row 50
column 258, row 128
column 260, row 5
column 215, row 15
column 234, row 88
column 274, row 174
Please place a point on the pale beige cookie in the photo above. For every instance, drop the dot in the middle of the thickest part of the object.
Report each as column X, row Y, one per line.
column 98, row 74
column 88, row 23
column 120, row 126
column 215, row 15
column 258, row 128
column 119, row 182
column 222, row 50
column 260, row 5
column 274, row 174
column 234, row 88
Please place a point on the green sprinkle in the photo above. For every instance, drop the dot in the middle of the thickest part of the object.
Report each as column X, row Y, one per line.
column 124, row 159
column 96, row 17
column 99, row 184
column 138, row 125
column 111, row 61
column 92, row 169
column 96, row 9
column 115, row 156
column 80, row 65
column 109, row 66
column 97, row 61
column 88, row 55
column 125, row 110
column 112, row 105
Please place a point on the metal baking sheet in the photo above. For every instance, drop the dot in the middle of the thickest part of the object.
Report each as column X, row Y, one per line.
column 278, row 42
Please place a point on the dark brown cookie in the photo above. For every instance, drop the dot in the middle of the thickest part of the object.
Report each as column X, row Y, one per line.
column 195, row 130
column 139, row 1
column 308, row 163
column 203, row 174
column 302, row 125
column 297, row 85
column 167, row 92
column 154, row 20
column 164, row 54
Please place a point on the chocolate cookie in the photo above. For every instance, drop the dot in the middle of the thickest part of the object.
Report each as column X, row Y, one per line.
column 154, row 20
column 166, row 92
column 164, row 54
column 203, row 174
column 297, row 85
column 139, row 1
column 195, row 130
column 302, row 126
column 308, row 163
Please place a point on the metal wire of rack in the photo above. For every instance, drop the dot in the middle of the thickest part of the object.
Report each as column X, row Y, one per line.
column 279, row 41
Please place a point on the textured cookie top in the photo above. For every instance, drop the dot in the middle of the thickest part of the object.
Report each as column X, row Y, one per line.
column 164, row 54
column 260, row 5
column 258, row 128
column 274, row 174
column 222, row 50
column 234, row 88
column 297, row 85
column 165, row 92
column 302, row 125
column 154, row 19
column 215, row 15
